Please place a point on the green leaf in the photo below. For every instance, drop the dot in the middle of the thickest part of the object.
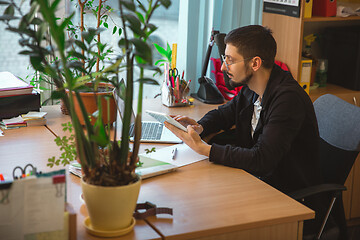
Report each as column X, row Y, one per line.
column 36, row 63
column 161, row 50
column 148, row 81
column 33, row 10
column 81, row 45
column 57, row 94
column 134, row 24
column 142, row 50
column 9, row 10
column 121, row 43
column 41, row 30
column 36, row 21
column 30, row 53
column 114, row 30
column 128, row 4
column 141, row 17
column 141, row 6
column 76, row 54
column 120, row 31
column 152, row 28
column 139, row 60
column 106, row 25
column 160, row 61
column 91, row 33
column 165, row 3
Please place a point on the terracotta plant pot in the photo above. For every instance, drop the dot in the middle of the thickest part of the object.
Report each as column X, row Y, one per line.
column 111, row 208
column 90, row 101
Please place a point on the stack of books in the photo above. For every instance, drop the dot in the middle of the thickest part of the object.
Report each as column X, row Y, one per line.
column 11, row 123
column 29, row 119
column 34, row 118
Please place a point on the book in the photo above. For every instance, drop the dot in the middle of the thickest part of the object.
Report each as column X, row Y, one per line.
column 12, row 86
column 35, row 122
column 15, row 122
column 34, row 118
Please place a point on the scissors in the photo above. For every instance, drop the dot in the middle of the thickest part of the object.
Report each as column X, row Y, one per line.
column 23, row 171
column 173, row 72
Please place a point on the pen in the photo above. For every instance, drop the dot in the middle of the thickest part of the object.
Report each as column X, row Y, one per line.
column 174, row 151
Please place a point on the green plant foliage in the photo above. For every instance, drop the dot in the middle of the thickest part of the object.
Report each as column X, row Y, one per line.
column 69, row 63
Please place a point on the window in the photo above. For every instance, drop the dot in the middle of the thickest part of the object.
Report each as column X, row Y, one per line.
column 165, row 19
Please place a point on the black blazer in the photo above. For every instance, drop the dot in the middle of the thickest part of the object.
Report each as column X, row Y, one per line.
column 284, row 148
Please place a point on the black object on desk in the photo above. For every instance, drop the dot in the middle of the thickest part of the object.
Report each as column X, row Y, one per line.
column 13, row 106
column 208, row 92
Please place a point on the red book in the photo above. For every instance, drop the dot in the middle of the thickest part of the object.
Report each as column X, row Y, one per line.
column 11, row 85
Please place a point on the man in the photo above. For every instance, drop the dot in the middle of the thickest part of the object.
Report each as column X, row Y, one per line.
column 276, row 133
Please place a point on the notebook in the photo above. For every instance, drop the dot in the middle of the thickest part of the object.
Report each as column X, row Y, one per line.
column 151, row 131
column 150, row 168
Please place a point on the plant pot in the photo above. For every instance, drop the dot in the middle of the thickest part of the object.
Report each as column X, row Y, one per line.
column 111, row 208
column 90, row 102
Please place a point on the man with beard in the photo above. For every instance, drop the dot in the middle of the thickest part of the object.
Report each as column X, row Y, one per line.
column 276, row 134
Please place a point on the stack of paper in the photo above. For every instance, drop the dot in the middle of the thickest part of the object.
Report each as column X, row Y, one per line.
column 12, row 86
column 34, row 118
column 11, row 123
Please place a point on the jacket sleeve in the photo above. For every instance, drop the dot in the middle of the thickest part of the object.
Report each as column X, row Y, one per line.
column 222, row 118
column 282, row 124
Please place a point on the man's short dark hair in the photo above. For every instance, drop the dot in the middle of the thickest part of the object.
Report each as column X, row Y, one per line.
column 252, row 41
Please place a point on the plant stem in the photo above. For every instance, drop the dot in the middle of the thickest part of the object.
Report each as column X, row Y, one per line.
column 128, row 94
column 82, row 5
column 98, row 36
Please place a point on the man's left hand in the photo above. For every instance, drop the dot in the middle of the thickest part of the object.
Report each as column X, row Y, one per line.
column 190, row 138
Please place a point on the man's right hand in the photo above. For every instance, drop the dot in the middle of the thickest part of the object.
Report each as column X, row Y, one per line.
column 186, row 121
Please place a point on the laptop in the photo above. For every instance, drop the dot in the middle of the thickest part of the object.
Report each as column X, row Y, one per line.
column 151, row 131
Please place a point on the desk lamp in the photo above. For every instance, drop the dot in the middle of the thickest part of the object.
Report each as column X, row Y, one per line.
column 208, row 92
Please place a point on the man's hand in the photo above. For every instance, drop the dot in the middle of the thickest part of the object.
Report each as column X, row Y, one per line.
column 186, row 121
column 190, row 138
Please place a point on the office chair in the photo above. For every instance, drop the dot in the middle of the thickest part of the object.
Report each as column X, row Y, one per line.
column 339, row 128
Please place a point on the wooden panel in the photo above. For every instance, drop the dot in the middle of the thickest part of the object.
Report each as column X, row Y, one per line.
column 283, row 231
column 287, row 32
column 355, row 203
column 347, row 195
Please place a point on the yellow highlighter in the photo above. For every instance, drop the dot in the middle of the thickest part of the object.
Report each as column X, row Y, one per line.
column 173, row 55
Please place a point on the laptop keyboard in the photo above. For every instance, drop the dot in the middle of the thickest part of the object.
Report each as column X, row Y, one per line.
column 149, row 130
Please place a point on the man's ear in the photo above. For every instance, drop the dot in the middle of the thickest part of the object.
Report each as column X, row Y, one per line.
column 256, row 63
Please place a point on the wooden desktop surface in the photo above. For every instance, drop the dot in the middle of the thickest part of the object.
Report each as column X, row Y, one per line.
column 209, row 201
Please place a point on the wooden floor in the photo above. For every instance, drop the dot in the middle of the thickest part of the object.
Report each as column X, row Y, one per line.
column 354, row 232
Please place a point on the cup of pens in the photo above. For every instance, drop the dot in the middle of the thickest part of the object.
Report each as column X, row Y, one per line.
column 175, row 88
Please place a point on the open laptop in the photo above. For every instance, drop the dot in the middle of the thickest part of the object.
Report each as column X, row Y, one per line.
column 151, row 131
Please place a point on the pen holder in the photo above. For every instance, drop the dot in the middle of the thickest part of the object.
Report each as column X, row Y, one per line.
column 173, row 96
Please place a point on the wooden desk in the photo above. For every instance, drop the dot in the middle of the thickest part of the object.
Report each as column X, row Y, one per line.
column 209, row 201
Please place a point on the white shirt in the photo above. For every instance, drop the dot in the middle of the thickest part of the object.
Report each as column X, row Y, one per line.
column 256, row 115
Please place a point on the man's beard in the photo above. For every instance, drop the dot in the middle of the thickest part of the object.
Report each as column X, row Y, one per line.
column 244, row 81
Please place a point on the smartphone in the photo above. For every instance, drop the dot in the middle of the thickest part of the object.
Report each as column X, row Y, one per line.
column 162, row 117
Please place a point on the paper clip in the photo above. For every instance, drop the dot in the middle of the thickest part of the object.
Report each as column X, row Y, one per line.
column 59, row 181
column 5, row 189
column 23, row 171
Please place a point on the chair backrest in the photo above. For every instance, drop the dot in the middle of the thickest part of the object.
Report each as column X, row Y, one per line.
column 339, row 128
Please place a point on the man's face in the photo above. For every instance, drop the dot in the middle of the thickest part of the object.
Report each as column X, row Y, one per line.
column 238, row 72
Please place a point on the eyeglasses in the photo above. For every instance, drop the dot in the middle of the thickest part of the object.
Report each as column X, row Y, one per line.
column 228, row 64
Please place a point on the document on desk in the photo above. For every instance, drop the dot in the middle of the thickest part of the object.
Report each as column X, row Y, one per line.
column 184, row 155
column 31, row 205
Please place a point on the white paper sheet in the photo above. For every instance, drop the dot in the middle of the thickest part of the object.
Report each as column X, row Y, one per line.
column 44, row 206
column 184, row 155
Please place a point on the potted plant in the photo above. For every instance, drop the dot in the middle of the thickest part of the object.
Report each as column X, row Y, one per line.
column 108, row 165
